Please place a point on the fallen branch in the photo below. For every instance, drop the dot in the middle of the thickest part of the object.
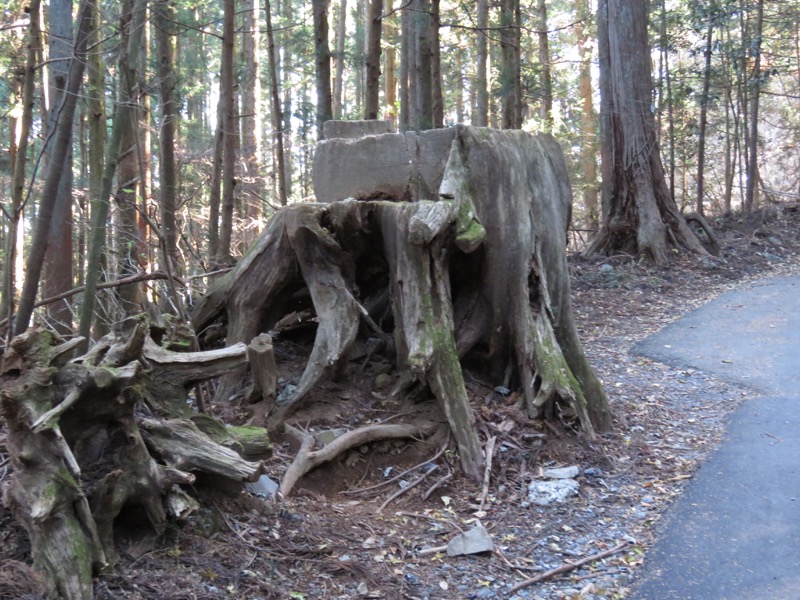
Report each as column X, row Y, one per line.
column 377, row 486
column 100, row 286
column 568, row 567
column 487, row 474
column 409, row 487
column 308, row 459
column 437, row 485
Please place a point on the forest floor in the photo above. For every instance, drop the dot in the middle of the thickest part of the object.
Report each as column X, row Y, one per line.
column 329, row 539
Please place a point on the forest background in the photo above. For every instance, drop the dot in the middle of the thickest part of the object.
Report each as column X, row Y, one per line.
column 190, row 123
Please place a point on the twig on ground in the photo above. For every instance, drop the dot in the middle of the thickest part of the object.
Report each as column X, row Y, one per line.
column 377, row 486
column 411, row 485
column 568, row 567
column 439, row 483
column 487, row 473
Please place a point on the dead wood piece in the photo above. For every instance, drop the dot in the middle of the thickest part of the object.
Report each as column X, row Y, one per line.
column 261, row 357
column 307, row 458
column 183, row 446
column 487, row 475
column 713, row 245
column 406, row 488
column 188, row 367
column 569, row 567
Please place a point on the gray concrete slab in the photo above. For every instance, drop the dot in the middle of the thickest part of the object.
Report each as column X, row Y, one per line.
column 735, row 533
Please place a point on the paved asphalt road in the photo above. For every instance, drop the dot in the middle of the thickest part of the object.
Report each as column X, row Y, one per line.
column 735, row 533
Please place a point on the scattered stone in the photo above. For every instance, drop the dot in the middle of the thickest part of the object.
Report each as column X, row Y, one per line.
column 383, row 381
column 473, row 541
column 326, row 436
column 545, row 493
column 502, row 390
column 562, row 473
column 263, row 487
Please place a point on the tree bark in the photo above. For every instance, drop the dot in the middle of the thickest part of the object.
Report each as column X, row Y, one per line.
column 277, row 112
column 18, row 179
column 480, row 275
column 341, row 33
column 82, row 448
column 35, row 260
column 322, row 55
column 372, row 100
column 481, row 79
column 701, row 133
column 641, row 217
column 546, row 81
column 588, row 118
column 57, row 275
column 168, row 204
column 755, row 88
column 229, row 129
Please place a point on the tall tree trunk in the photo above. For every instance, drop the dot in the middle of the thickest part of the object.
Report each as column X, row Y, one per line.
column 129, row 171
column 406, row 68
column 252, row 188
column 227, row 99
column 373, row 63
column 642, row 215
column 510, row 76
column 389, row 63
column 436, row 67
column 57, row 276
column 422, row 88
column 588, row 123
column 168, row 204
column 122, row 121
column 755, row 89
column 481, row 118
column 701, row 134
column 277, row 115
column 145, row 154
column 341, row 34
column 322, row 55
column 20, row 145
column 35, row 260
column 287, row 71
column 546, row 82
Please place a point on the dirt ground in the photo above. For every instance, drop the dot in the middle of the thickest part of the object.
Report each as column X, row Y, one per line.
column 372, row 524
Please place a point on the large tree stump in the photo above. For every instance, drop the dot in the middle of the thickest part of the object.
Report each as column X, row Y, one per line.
column 86, row 439
column 480, row 274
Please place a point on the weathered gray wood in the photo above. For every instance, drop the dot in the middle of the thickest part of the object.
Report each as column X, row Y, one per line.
column 483, row 267
column 75, row 441
column 261, row 357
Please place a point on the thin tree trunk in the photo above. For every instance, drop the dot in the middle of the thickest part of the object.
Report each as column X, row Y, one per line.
column 406, row 68
column 227, row 98
column 390, row 78
column 251, row 117
column 481, row 79
column 588, row 123
column 701, row 135
column 322, row 54
column 57, row 276
column 436, row 68
column 165, row 14
column 341, row 33
column 373, row 63
column 129, row 169
column 546, row 85
column 423, row 74
column 20, row 161
column 755, row 85
column 510, row 83
column 35, row 260
column 277, row 115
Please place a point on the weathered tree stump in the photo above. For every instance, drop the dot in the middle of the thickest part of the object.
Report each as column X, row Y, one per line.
column 478, row 274
column 86, row 439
